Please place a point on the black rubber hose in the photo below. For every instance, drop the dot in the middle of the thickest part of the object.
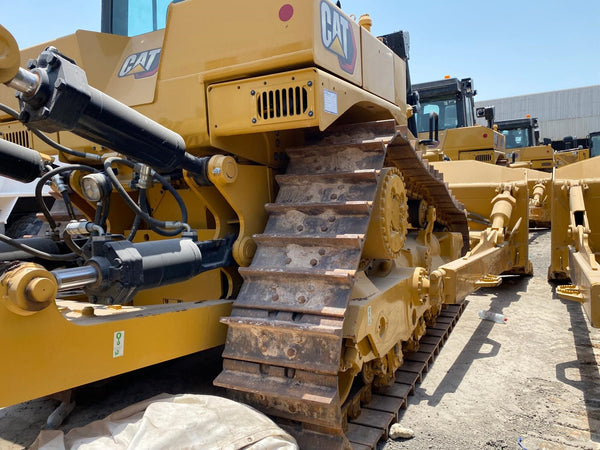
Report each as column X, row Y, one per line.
column 162, row 180
column 98, row 213
column 144, row 205
column 102, row 210
column 155, row 224
column 72, row 245
column 134, row 228
column 138, row 219
column 105, row 211
column 69, row 205
column 42, row 181
column 36, row 252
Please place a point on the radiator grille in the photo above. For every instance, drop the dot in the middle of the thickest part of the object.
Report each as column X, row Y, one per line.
column 18, row 137
column 483, row 158
column 286, row 102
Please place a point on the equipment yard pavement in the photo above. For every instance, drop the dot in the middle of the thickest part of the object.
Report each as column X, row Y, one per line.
column 536, row 377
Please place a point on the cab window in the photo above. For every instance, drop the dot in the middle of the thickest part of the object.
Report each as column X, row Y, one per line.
column 595, row 146
column 517, row 138
column 134, row 17
column 446, row 111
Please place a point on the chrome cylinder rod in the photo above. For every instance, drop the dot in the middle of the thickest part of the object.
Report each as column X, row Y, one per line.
column 24, row 81
column 75, row 277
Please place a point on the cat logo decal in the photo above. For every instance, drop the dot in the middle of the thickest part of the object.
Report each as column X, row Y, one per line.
column 141, row 65
column 337, row 36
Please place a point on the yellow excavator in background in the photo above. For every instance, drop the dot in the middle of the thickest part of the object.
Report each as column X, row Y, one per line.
column 447, row 110
column 265, row 191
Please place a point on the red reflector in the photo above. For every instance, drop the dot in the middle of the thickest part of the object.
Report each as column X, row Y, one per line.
column 484, row 135
column 286, row 12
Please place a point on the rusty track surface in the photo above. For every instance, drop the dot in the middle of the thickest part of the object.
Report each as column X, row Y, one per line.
column 284, row 339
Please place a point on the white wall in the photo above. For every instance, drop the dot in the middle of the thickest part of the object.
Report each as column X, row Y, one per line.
column 570, row 112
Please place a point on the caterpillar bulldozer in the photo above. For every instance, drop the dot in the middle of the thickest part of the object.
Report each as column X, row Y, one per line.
column 525, row 151
column 265, row 191
column 523, row 142
column 574, row 237
column 571, row 152
column 447, row 108
column 594, row 144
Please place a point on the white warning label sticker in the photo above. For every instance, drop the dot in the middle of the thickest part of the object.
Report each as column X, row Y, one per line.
column 118, row 344
column 330, row 101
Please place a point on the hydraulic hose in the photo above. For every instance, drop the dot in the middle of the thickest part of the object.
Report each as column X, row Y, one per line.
column 40, row 185
column 36, row 252
column 151, row 221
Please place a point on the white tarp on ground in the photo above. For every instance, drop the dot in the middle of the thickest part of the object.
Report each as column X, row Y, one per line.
column 180, row 421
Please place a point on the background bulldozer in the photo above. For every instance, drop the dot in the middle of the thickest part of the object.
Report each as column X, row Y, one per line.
column 269, row 194
column 523, row 142
column 458, row 136
column 575, row 228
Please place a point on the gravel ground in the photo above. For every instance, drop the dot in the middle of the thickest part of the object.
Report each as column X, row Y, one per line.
column 536, row 378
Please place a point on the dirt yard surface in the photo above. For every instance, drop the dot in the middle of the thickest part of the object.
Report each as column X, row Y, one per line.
column 536, row 378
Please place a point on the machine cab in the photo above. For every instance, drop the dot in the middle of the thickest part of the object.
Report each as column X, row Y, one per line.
column 460, row 137
column 594, row 144
column 451, row 99
column 520, row 133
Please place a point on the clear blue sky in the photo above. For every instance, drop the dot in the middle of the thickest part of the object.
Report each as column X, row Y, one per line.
column 508, row 47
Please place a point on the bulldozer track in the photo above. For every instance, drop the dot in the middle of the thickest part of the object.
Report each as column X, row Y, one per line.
column 284, row 341
column 376, row 416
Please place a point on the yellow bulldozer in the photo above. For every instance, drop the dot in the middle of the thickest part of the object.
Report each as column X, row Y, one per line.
column 526, row 151
column 523, row 144
column 575, row 239
column 446, row 123
column 264, row 190
column 572, row 152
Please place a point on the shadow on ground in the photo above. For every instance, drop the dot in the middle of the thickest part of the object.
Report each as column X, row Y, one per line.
column 589, row 372
column 502, row 298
